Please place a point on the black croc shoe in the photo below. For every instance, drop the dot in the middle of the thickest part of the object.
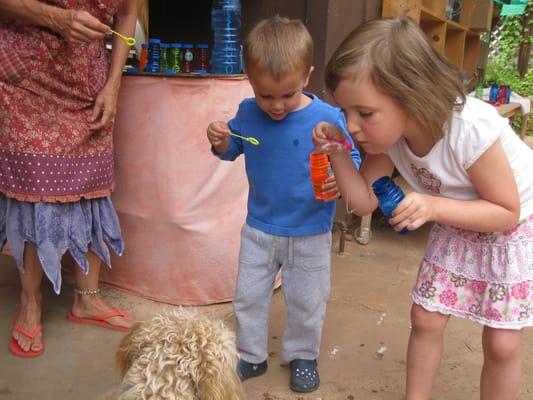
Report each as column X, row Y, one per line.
column 247, row 370
column 304, row 376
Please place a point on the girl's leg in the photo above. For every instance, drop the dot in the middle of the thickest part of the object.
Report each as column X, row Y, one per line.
column 501, row 367
column 30, row 300
column 92, row 305
column 424, row 351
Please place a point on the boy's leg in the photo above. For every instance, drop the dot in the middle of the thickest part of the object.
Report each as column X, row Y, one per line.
column 424, row 351
column 306, row 282
column 255, row 284
column 500, row 376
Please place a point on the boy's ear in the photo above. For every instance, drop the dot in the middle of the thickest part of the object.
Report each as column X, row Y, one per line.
column 311, row 69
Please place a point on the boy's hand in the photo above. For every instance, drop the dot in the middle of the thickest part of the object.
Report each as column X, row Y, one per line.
column 327, row 138
column 413, row 211
column 217, row 134
column 330, row 186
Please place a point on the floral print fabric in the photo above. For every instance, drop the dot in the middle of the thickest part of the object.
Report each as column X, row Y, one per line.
column 485, row 277
column 48, row 86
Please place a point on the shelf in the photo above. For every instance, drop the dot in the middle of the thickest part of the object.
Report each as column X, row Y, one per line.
column 454, row 26
column 436, row 8
column 471, row 53
column 455, row 46
column 429, row 15
column 436, row 32
column 456, row 41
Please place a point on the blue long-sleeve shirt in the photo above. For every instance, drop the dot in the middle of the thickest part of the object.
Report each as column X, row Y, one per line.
column 280, row 198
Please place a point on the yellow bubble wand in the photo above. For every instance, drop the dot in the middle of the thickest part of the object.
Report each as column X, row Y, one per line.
column 129, row 40
column 249, row 139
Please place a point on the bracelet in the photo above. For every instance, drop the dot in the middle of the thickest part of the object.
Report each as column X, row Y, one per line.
column 86, row 292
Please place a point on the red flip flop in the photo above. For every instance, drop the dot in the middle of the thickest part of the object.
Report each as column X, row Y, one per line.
column 15, row 348
column 101, row 320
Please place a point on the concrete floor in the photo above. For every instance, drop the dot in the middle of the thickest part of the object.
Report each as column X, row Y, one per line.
column 368, row 310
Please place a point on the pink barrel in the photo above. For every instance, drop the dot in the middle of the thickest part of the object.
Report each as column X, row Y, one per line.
column 181, row 209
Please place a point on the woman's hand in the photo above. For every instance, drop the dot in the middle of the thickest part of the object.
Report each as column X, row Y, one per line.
column 413, row 211
column 327, row 138
column 105, row 107
column 78, row 26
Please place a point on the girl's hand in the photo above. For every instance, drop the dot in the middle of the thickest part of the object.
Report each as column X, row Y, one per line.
column 217, row 133
column 78, row 26
column 327, row 138
column 105, row 107
column 330, row 186
column 413, row 211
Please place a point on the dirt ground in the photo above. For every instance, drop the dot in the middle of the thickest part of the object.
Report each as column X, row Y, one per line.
column 368, row 311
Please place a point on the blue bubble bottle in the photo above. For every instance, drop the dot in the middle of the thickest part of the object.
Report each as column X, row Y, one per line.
column 389, row 196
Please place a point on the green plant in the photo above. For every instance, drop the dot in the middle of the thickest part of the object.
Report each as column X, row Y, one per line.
column 503, row 68
column 502, row 74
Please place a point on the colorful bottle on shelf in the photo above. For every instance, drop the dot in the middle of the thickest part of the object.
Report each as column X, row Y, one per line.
column 165, row 49
column 202, row 58
column 493, row 93
column 226, row 57
column 175, row 57
column 154, row 56
column 320, row 170
column 143, row 58
column 389, row 196
column 188, row 58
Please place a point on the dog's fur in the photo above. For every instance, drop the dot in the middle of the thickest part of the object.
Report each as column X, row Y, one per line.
column 179, row 355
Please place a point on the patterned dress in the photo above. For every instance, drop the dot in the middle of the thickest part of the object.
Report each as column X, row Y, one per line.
column 56, row 174
column 486, row 277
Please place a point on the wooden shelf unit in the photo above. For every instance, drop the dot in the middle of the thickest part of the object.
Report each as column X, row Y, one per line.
column 458, row 41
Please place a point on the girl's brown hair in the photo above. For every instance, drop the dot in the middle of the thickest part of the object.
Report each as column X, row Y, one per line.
column 399, row 60
column 278, row 46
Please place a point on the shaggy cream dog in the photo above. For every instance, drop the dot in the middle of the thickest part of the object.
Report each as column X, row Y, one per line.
column 179, row 355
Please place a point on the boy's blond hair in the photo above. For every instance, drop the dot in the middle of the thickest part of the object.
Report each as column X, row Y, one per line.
column 278, row 46
column 398, row 59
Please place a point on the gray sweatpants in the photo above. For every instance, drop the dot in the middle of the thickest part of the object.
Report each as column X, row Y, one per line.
column 305, row 270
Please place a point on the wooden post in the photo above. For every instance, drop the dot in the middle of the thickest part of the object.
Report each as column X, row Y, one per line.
column 525, row 45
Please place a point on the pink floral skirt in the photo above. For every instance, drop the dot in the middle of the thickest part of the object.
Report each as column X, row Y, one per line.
column 485, row 277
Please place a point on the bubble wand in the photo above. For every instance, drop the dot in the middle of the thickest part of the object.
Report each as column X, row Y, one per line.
column 128, row 40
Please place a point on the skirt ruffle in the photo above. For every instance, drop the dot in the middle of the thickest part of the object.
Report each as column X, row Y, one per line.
column 55, row 228
column 484, row 277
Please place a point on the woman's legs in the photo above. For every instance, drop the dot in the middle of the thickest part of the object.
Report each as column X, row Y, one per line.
column 501, row 367
column 92, row 305
column 30, row 300
column 424, row 351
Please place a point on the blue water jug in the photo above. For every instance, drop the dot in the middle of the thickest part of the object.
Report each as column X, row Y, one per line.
column 226, row 23
column 389, row 196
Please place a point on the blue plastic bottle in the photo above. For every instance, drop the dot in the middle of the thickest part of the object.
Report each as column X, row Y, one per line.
column 154, row 55
column 226, row 24
column 389, row 196
column 493, row 93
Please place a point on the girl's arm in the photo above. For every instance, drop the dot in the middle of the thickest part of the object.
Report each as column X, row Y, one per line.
column 106, row 103
column 497, row 209
column 75, row 25
column 354, row 186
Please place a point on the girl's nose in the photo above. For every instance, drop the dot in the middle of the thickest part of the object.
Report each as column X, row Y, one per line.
column 353, row 126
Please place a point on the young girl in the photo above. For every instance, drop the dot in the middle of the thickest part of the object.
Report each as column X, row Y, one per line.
column 471, row 175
